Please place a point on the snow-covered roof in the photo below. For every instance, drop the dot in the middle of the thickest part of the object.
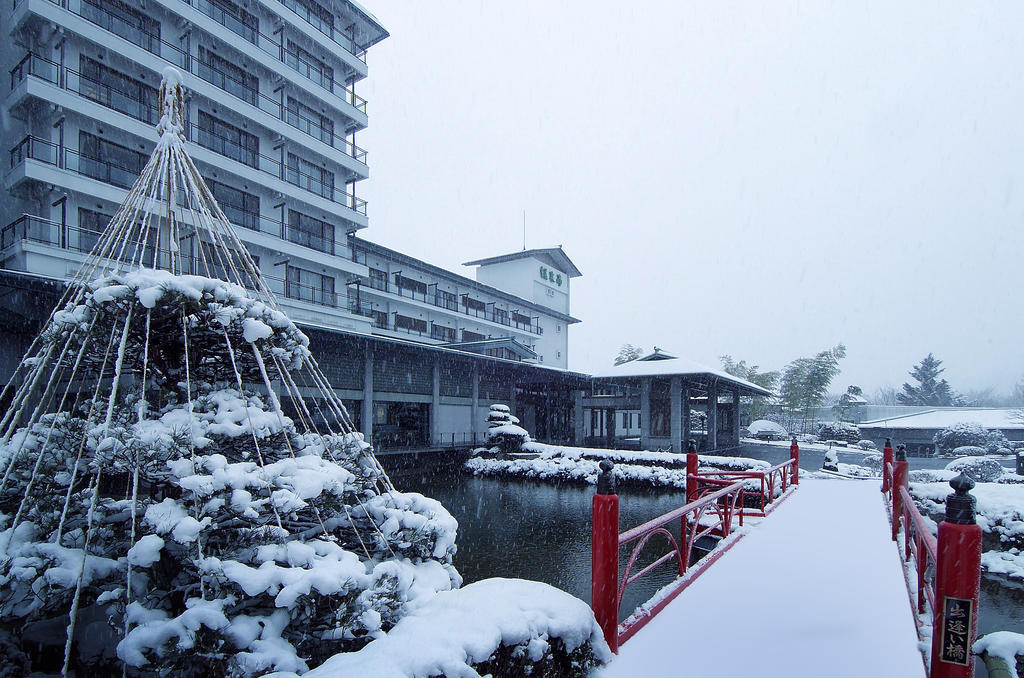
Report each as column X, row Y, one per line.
column 1003, row 418
column 554, row 255
column 668, row 367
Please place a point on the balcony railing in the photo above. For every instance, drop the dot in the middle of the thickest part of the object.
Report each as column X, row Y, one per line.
column 146, row 111
column 122, row 176
column 95, row 13
column 337, row 37
column 435, row 299
column 38, row 230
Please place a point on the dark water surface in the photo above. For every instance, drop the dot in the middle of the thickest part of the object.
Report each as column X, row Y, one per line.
column 541, row 531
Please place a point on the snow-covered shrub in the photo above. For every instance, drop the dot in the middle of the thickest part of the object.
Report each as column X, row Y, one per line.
column 806, row 438
column 839, row 430
column 216, row 536
column 969, row 451
column 767, row 430
column 981, row 469
column 866, row 444
column 503, row 628
column 503, row 430
column 965, row 434
column 873, row 462
column 831, row 462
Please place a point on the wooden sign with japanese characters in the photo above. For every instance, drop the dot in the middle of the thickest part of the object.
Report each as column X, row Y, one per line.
column 957, row 615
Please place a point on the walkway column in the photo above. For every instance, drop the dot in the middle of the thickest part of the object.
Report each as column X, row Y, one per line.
column 736, row 417
column 435, row 404
column 676, row 413
column 475, row 403
column 713, row 417
column 645, row 413
column 578, row 429
column 609, row 428
column 367, row 412
column 686, row 416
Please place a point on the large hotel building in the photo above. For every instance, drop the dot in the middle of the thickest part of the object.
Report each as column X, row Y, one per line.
column 273, row 117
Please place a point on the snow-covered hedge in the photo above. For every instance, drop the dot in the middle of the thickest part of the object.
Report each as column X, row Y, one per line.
column 768, row 430
column 968, row 451
column 494, row 627
column 969, row 434
column 866, row 445
column 982, row 469
column 504, row 432
column 839, row 430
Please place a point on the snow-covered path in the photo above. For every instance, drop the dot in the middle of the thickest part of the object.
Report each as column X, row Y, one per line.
column 815, row 590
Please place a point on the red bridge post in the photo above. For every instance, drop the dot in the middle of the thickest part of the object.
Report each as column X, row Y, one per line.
column 794, row 454
column 957, row 582
column 886, row 459
column 691, row 472
column 899, row 479
column 604, row 573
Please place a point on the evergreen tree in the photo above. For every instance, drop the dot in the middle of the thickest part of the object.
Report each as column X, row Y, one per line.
column 768, row 380
column 930, row 390
column 628, row 353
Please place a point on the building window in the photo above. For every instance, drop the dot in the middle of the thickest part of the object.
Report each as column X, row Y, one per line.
column 309, row 286
column 309, row 232
column 380, row 319
column 90, row 227
column 228, row 140
column 446, row 300
column 414, row 286
column 558, row 354
column 309, row 66
column 314, row 13
column 403, row 322
column 310, row 176
column 228, row 76
column 378, row 279
column 243, row 209
column 124, row 20
column 558, row 328
column 473, row 305
column 442, row 333
column 520, row 319
column 310, row 121
column 109, row 162
column 500, row 316
column 116, row 90
column 232, row 17
column 472, row 336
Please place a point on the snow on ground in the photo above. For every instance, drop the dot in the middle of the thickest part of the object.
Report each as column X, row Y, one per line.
column 458, row 628
column 842, row 612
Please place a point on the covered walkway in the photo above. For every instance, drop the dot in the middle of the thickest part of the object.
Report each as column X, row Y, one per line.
column 816, row 589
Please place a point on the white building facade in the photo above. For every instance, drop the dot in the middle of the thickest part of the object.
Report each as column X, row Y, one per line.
column 272, row 119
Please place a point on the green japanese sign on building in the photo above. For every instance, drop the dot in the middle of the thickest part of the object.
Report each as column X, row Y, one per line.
column 551, row 276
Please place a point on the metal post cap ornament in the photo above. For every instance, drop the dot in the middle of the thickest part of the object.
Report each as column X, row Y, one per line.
column 901, row 453
column 960, row 505
column 691, row 447
column 606, row 481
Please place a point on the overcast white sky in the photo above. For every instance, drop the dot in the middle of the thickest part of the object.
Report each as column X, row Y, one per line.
column 759, row 179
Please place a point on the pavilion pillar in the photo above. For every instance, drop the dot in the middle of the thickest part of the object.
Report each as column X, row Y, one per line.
column 609, row 428
column 686, row 417
column 578, row 426
column 366, row 415
column 645, row 413
column 435, row 404
column 713, row 417
column 675, row 391
column 736, row 417
column 474, row 414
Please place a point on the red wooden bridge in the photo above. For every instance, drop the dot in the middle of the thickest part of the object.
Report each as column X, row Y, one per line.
column 802, row 582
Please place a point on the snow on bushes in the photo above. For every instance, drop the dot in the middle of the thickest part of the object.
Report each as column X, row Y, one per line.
column 839, row 430
column 767, row 430
column 969, row 434
column 866, row 445
column 503, row 430
column 968, row 451
column 981, row 469
column 216, row 536
column 497, row 627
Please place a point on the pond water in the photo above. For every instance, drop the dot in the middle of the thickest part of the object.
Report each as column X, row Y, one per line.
column 541, row 531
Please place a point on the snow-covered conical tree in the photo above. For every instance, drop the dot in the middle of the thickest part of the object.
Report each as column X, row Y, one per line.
column 162, row 469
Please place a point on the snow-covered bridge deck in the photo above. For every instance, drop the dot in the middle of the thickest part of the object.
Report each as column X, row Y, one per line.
column 816, row 589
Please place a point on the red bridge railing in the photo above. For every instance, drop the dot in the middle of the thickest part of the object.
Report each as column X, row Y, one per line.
column 943, row 573
column 714, row 501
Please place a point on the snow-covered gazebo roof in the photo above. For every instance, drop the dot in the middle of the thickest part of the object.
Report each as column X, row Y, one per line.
column 659, row 364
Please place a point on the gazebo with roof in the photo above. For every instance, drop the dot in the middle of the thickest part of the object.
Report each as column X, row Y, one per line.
column 666, row 389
